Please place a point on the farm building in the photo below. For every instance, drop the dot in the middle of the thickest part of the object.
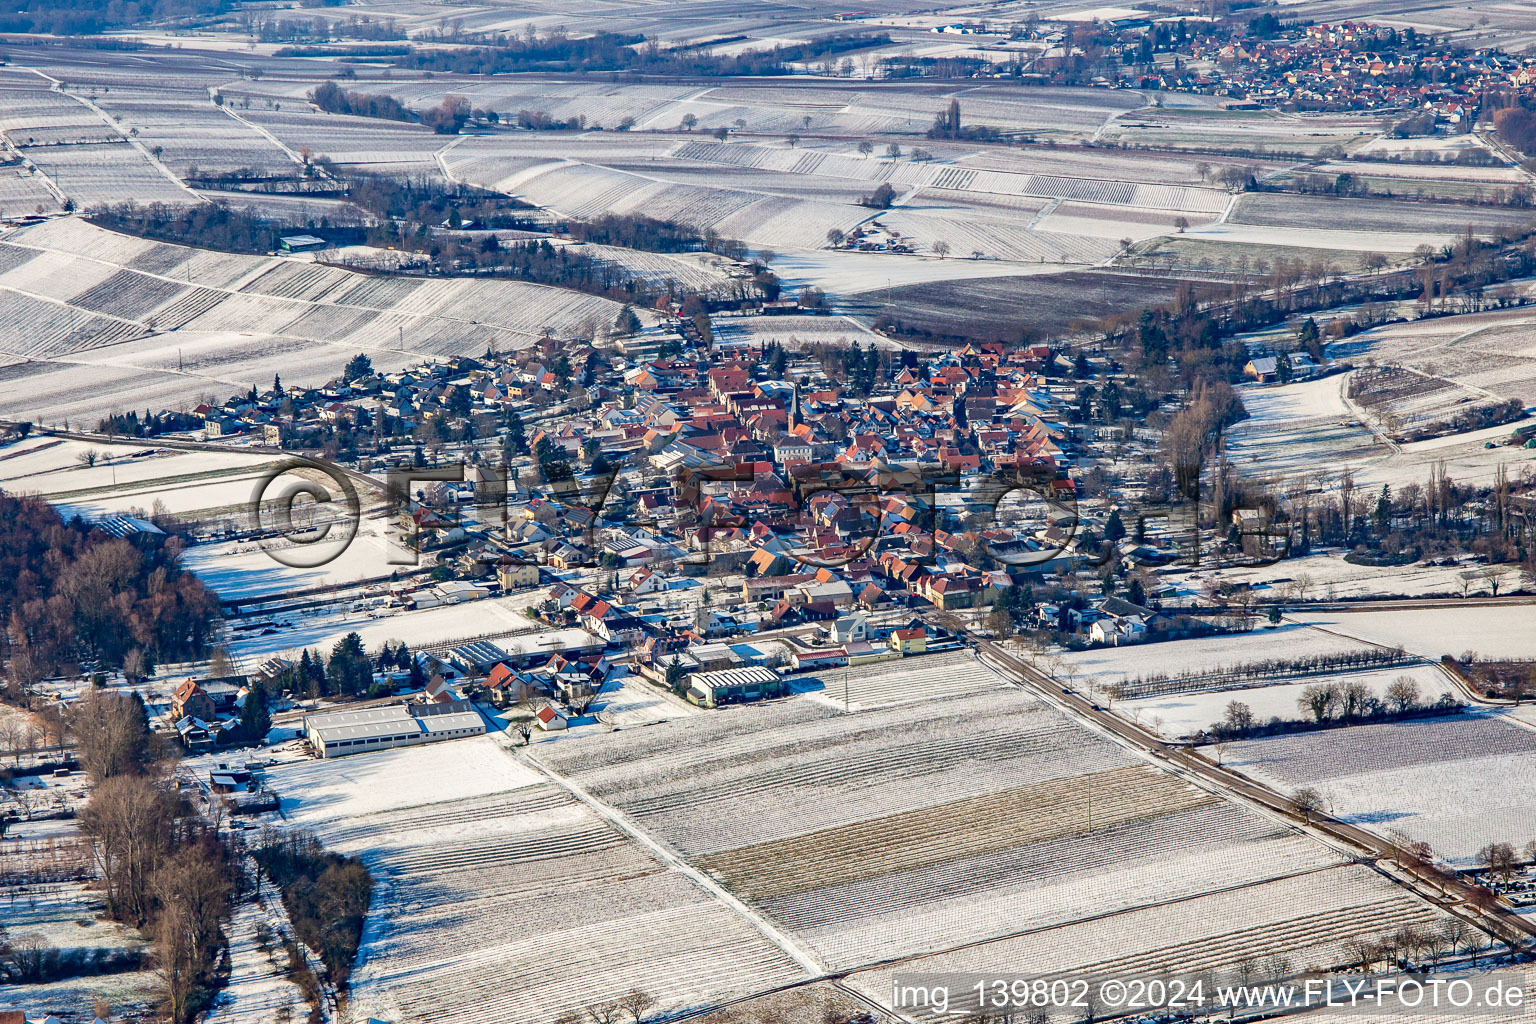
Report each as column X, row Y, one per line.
column 711, row 689
column 338, row 733
column 302, row 243
column 823, row 657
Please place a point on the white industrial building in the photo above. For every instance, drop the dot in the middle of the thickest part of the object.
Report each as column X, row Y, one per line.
column 338, row 733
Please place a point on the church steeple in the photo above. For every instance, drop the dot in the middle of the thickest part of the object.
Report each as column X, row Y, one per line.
column 794, row 408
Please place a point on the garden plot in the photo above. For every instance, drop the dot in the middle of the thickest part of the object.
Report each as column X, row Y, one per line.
column 1296, row 923
column 1180, row 716
column 1505, row 631
column 484, row 869
column 921, row 677
column 1456, row 782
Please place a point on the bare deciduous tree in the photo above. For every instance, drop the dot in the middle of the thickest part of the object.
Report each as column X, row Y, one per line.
column 1402, row 693
column 637, row 1003
column 111, row 734
column 1306, row 802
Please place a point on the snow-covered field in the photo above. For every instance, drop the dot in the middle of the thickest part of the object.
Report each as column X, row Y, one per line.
column 914, row 678
column 631, row 701
column 483, row 869
column 492, row 617
column 99, row 315
column 1301, row 921
column 1175, row 716
column 1504, row 631
column 191, row 483
column 891, row 832
column 1455, row 782
column 1308, row 427
column 1103, row 666
column 243, row 569
column 1325, row 575
column 1305, row 426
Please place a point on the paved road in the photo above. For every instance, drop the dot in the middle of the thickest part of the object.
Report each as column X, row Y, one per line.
column 1450, row 895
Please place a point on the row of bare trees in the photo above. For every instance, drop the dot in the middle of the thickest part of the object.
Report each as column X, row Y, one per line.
column 163, row 868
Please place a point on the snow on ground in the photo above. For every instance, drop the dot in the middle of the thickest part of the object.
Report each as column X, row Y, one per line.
column 1326, row 575
column 325, row 791
column 186, row 481
column 491, row 618
column 1456, row 782
column 243, row 569
column 72, row 998
column 1304, row 426
column 1463, row 455
column 841, row 273
column 631, row 701
column 885, row 683
column 1176, row 716
column 1502, row 631
column 257, row 989
column 1367, row 241
column 1102, row 666
column 483, row 868
column 65, row 914
column 1309, row 427
column 794, row 331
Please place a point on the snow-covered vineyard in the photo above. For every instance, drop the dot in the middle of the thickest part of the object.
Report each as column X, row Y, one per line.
column 1456, row 783
column 797, row 813
column 71, row 294
column 485, row 869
